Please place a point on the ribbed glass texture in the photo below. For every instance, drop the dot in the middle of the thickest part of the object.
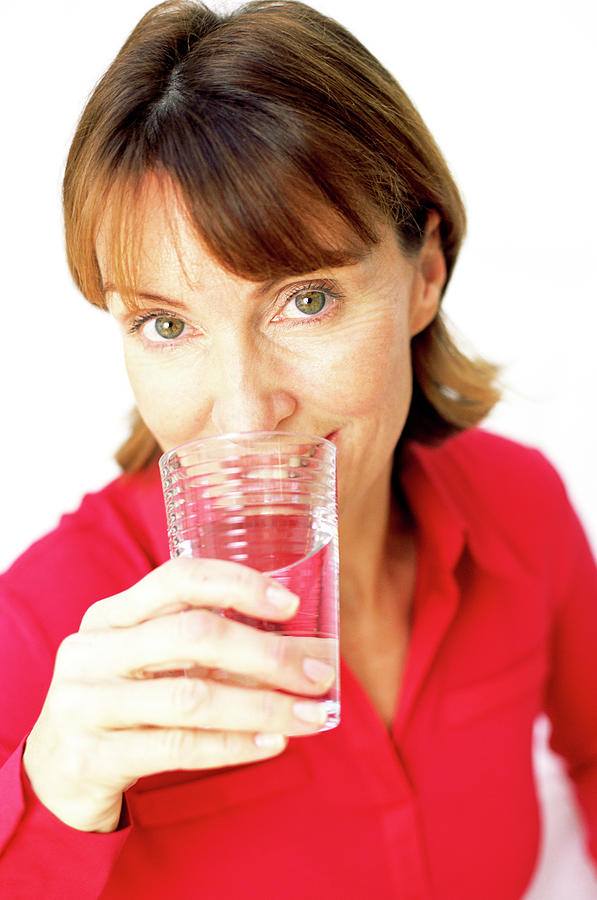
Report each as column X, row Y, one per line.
column 266, row 500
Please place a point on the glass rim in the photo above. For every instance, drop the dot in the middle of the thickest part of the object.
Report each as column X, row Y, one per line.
column 240, row 436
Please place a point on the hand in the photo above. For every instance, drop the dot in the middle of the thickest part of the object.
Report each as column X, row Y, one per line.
column 108, row 720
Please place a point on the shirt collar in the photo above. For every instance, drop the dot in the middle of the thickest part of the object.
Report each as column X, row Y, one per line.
column 438, row 518
column 459, row 499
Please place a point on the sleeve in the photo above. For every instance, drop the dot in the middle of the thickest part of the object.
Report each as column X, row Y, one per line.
column 571, row 700
column 42, row 599
column 40, row 856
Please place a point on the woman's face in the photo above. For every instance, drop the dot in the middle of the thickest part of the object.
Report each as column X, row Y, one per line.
column 324, row 352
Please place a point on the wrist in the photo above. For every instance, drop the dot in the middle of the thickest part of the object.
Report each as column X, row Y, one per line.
column 76, row 806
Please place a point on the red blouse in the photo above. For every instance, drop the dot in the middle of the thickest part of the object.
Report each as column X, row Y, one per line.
column 444, row 806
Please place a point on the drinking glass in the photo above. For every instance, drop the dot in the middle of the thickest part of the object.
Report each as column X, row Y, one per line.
column 266, row 500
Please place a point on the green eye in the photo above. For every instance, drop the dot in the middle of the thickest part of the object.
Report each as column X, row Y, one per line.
column 310, row 302
column 168, row 327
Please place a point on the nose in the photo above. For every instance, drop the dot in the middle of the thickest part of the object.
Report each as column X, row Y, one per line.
column 248, row 395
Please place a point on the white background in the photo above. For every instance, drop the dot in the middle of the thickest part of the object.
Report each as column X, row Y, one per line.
column 507, row 89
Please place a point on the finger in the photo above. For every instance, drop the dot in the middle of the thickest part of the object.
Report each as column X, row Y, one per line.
column 302, row 665
column 145, row 751
column 194, row 703
column 186, row 583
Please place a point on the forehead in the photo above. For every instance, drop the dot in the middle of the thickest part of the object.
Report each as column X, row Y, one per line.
column 153, row 225
column 152, row 221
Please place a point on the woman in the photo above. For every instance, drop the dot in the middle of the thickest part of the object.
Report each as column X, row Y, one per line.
column 274, row 242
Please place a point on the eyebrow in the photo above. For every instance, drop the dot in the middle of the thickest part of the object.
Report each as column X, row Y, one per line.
column 180, row 305
column 261, row 289
column 110, row 288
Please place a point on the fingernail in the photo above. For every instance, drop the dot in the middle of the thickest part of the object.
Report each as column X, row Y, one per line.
column 318, row 671
column 266, row 741
column 281, row 599
column 314, row 713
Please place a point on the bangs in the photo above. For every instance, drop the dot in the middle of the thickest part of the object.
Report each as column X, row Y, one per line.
column 259, row 205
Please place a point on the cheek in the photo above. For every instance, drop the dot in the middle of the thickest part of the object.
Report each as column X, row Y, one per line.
column 167, row 398
column 373, row 375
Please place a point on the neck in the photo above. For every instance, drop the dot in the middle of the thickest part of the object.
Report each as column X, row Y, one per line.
column 375, row 539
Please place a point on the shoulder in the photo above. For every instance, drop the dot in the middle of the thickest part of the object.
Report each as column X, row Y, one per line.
column 116, row 535
column 510, row 498
column 478, row 464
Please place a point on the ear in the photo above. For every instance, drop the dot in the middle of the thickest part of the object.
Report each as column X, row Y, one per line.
column 430, row 277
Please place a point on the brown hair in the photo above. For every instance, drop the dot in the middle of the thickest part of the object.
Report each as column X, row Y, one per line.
column 267, row 120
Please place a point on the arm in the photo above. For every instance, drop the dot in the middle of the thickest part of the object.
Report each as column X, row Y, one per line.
column 32, row 839
column 90, row 741
column 39, row 854
column 572, row 690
